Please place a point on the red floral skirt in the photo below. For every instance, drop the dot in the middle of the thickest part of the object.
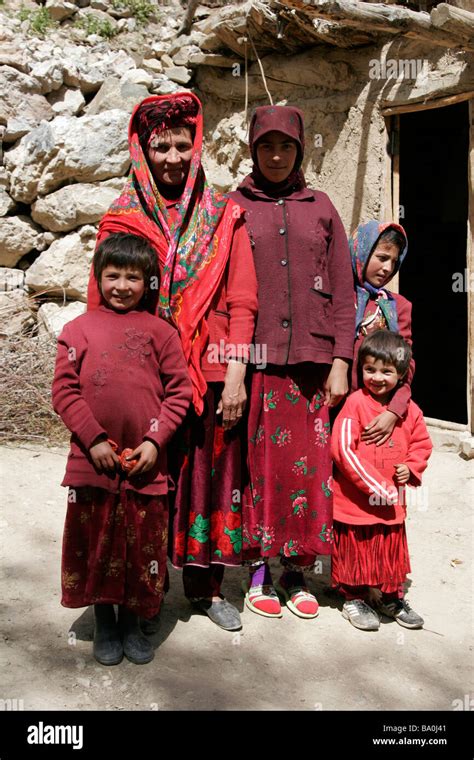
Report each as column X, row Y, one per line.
column 287, row 505
column 114, row 550
column 370, row 555
column 205, row 462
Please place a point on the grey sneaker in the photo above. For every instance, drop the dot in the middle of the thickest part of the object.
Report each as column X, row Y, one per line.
column 361, row 615
column 401, row 611
column 221, row 613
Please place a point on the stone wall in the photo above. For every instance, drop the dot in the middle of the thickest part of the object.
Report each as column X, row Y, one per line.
column 66, row 98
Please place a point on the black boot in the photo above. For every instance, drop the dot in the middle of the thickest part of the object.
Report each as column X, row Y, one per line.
column 107, row 645
column 136, row 646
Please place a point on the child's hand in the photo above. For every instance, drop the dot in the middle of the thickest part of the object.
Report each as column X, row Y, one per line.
column 402, row 474
column 380, row 429
column 147, row 454
column 104, row 457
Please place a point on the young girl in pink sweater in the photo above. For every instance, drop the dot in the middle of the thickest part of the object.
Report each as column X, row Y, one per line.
column 121, row 386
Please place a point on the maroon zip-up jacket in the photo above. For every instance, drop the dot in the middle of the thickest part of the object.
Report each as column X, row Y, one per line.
column 305, row 282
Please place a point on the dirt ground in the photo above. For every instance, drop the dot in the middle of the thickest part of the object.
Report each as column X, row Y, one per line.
column 322, row 664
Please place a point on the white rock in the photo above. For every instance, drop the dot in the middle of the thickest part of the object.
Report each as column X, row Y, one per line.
column 11, row 279
column 18, row 236
column 12, row 55
column 87, row 69
column 7, row 204
column 127, row 24
column 22, row 107
column 67, row 101
column 159, row 48
column 100, row 5
column 48, row 74
column 181, row 58
column 16, row 316
column 60, row 9
column 184, row 40
column 45, row 240
column 178, row 74
column 164, row 86
column 137, row 76
column 85, row 150
column 73, row 206
column 114, row 94
column 153, row 64
column 166, row 60
column 52, row 316
column 64, row 268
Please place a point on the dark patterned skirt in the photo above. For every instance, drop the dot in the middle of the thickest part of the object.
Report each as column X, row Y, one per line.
column 370, row 555
column 287, row 505
column 205, row 463
column 114, row 550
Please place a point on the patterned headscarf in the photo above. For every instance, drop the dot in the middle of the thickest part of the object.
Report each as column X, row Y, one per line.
column 192, row 253
column 361, row 244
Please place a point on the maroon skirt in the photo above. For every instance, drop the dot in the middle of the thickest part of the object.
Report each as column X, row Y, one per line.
column 114, row 550
column 370, row 555
column 205, row 462
column 287, row 505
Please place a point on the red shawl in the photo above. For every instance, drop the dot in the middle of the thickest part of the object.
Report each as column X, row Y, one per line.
column 193, row 253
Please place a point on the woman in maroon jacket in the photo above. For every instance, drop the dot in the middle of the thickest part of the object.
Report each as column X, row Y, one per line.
column 305, row 326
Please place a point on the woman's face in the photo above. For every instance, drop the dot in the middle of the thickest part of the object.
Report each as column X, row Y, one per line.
column 169, row 155
column 276, row 156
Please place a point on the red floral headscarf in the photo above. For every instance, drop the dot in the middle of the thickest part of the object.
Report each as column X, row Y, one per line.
column 193, row 252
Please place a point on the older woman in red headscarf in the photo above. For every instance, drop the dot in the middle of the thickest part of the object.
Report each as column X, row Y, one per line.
column 306, row 323
column 208, row 290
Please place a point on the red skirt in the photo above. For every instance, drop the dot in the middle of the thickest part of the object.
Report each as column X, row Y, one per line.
column 287, row 506
column 370, row 555
column 114, row 550
column 205, row 462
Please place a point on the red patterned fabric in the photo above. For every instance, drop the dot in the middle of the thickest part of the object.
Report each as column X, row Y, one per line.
column 287, row 506
column 206, row 508
column 370, row 555
column 114, row 550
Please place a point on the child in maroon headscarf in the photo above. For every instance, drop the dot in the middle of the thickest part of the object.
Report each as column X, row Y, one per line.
column 121, row 386
column 306, row 323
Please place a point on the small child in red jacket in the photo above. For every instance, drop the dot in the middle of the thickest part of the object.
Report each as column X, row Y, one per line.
column 370, row 556
column 377, row 253
column 121, row 386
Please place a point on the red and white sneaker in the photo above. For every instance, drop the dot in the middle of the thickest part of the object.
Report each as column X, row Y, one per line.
column 263, row 600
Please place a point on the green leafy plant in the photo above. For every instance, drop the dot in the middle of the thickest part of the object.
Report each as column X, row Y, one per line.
column 39, row 21
column 93, row 24
column 141, row 10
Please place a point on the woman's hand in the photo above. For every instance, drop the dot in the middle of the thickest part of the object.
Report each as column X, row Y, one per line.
column 336, row 385
column 147, row 454
column 234, row 396
column 402, row 474
column 380, row 428
column 104, row 457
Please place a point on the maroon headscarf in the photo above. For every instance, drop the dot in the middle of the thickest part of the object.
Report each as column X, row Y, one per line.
column 288, row 120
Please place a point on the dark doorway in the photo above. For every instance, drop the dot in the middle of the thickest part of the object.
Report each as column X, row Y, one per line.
column 434, row 147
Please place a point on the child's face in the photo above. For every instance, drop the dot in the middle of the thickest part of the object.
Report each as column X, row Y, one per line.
column 381, row 264
column 379, row 378
column 122, row 288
